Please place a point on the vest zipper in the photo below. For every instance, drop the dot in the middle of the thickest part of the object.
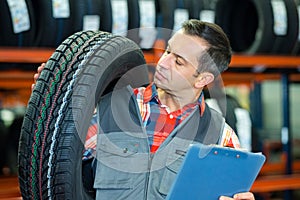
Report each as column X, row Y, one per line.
column 148, row 175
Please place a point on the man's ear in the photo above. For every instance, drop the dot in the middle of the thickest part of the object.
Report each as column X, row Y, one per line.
column 204, row 79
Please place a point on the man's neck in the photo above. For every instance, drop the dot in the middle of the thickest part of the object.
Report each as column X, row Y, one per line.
column 177, row 101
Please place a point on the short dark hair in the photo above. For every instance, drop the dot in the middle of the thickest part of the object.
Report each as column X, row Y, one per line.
column 218, row 56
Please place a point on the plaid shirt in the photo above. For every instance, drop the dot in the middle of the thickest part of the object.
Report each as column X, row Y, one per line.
column 159, row 121
column 91, row 139
column 157, row 118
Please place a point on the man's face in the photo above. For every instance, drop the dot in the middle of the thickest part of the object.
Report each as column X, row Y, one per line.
column 176, row 68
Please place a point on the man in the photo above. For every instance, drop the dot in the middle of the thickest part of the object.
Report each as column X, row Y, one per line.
column 144, row 132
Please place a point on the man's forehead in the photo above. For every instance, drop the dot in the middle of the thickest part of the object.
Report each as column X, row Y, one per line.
column 187, row 46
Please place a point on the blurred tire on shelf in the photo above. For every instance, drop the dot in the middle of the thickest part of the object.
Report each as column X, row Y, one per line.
column 93, row 15
column 143, row 31
column 55, row 21
column 248, row 24
column 125, row 16
column 296, row 50
column 17, row 23
column 133, row 14
column 194, row 7
column 285, row 42
column 166, row 10
column 253, row 28
column 134, row 18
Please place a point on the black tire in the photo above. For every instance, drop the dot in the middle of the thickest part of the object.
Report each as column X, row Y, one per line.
column 8, row 37
column 139, row 31
column 102, row 8
column 82, row 68
column 166, row 14
column 285, row 44
column 82, row 8
column 248, row 25
column 133, row 14
column 106, row 16
column 4, row 138
column 167, row 8
column 134, row 18
column 166, row 11
column 296, row 50
column 52, row 31
column 194, row 7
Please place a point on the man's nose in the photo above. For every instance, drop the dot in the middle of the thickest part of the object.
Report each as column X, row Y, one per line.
column 166, row 60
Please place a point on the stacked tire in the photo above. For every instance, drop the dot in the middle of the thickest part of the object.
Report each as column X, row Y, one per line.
column 251, row 25
column 55, row 21
column 255, row 26
column 17, row 22
column 17, row 27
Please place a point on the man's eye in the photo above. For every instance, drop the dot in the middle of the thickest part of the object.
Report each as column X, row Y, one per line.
column 178, row 62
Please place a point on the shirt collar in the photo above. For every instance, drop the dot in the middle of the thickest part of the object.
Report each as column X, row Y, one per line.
column 151, row 93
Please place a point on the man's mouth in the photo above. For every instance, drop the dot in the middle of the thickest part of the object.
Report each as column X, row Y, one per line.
column 159, row 75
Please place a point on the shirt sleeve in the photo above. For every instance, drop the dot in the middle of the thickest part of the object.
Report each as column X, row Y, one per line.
column 229, row 138
column 91, row 139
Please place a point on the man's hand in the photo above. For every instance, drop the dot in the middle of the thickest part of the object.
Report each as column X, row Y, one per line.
column 37, row 74
column 239, row 196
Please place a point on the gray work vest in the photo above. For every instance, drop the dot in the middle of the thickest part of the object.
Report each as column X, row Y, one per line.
column 125, row 167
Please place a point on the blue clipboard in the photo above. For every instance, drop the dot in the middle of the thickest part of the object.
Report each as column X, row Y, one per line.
column 209, row 171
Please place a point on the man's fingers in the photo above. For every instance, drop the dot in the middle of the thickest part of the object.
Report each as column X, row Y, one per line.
column 41, row 67
column 239, row 196
column 245, row 195
column 37, row 75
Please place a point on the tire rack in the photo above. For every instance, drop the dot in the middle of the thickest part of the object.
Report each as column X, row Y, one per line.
column 22, row 80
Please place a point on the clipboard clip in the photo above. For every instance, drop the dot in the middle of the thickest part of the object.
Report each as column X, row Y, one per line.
column 227, row 154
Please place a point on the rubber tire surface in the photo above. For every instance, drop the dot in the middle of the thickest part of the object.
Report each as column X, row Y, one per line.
column 102, row 8
column 134, row 18
column 287, row 43
column 60, row 108
column 194, row 7
column 7, row 35
column 296, row 50
column 52, row 31
column 166, row 9
column 248, row 25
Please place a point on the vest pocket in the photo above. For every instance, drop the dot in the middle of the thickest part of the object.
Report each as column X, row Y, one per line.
column 174, row 162
column 115, row 158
